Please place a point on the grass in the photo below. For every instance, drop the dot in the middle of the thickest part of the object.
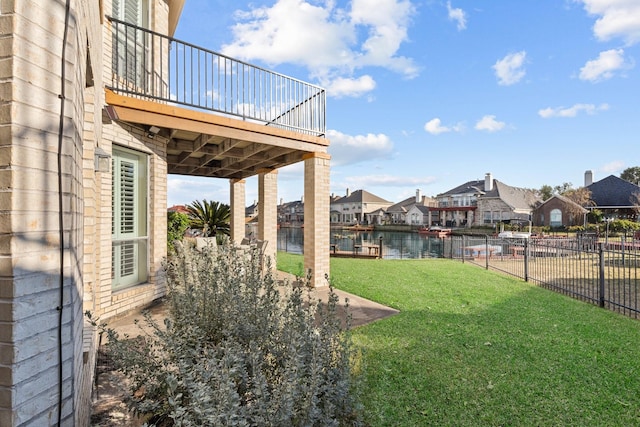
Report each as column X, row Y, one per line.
column 473, row 347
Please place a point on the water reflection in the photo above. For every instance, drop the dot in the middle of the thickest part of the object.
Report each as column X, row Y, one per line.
column 398, row 245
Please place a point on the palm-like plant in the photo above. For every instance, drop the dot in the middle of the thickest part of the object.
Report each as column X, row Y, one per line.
column 210, row 217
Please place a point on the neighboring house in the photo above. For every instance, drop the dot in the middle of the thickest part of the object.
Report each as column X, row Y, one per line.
column 485, row 202
column 398, row 213
column 354, row 206
column 251, row 211
column 291, row 213
column 92, row 126
column 179, row 208
column 614, row 196
column 420, row 215
column 376, row 217
column 558, row 212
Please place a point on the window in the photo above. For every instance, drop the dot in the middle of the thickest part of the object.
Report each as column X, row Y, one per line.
column 129, row 218
column 487, row 217
column 130, row 46
column 555, row 218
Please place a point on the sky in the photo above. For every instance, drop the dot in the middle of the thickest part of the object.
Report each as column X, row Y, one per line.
column 431, row 94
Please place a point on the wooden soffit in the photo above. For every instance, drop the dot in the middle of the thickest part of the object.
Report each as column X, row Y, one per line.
column 207, row 144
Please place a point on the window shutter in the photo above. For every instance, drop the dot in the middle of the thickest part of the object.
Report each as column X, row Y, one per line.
column 127, row 198
column 129, row 250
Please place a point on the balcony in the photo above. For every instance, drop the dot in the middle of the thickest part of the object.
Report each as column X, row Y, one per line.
column 221, row 117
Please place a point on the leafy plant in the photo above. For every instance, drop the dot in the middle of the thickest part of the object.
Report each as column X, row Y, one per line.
column 210, row 217
column 177, row 224
column 237, row 349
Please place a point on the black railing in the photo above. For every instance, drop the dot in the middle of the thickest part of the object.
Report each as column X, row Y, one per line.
column 153, row 66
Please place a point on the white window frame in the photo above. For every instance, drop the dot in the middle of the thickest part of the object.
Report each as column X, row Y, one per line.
column 555, row 218
column 129, row 224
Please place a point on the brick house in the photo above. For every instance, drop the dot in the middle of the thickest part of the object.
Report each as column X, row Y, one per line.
column 353, row 207
column 485, row 202
column 91, row 126
column 412, row 210
column 558, row 211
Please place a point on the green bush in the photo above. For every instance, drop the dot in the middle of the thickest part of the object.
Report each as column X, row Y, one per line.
column 177, row 224
column 238, row 350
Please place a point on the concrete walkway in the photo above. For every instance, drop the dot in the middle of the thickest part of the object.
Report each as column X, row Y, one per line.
column 362, row 310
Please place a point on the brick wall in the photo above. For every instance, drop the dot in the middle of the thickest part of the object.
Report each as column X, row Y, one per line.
column 40, row 287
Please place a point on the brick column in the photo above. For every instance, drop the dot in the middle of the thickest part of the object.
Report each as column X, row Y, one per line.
column 238, row 196
column 268, row 212
column 316, row 217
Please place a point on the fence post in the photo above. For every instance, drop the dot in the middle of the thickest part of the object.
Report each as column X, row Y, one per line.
column 525, row 252
column 486, row 252
column 601, row 256
column 380, row 248
column 461, row 248
column 451, row 248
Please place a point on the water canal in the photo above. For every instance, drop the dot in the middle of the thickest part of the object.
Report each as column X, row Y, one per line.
column 395, row 245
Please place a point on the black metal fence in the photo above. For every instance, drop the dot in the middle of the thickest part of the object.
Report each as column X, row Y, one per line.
column 603, row 273
column 606, row 274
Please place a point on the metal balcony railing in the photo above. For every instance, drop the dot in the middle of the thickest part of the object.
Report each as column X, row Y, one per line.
column 150, row 65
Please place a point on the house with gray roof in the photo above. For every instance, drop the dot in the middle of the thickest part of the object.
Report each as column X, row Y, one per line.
column 398, row 213
column 485, row 202
column 614, row 196
column 353, row 207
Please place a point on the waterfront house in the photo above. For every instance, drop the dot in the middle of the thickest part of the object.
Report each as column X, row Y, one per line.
column 100, row 104
column 353, row 207
column 614, row 196
column 485, row 202
column 558, row 211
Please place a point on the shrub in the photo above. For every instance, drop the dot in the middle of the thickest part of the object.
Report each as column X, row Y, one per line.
column 235, row 350
column 177, row 224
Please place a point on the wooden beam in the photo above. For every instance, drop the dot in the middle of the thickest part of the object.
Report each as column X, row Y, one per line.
column 141, row 111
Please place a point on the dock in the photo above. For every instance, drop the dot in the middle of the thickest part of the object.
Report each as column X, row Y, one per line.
column 359, row 251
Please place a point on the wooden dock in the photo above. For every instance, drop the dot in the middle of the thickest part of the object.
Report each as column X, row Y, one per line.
column 358, row 251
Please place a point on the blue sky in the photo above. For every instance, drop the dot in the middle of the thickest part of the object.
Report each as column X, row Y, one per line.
column 430, row 94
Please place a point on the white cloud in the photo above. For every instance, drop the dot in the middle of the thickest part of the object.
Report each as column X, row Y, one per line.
column 604, row 66
column 572, row 111
column 348, row 149
column 613, row 167
column 617, row 18
column 345, row 86
column 370, row 181
column 435, row 127
column 490, row 124
column 458, row 15
column 510, row 69
column 331, row 42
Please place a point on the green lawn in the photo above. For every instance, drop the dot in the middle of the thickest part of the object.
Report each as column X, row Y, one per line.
column 473, row 347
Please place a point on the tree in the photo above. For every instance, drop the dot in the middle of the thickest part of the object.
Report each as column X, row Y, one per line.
column 635, row 202
column 210, row 217
column 546, row 191
column 562, row 189
column 580, row 196
column 631, row 174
